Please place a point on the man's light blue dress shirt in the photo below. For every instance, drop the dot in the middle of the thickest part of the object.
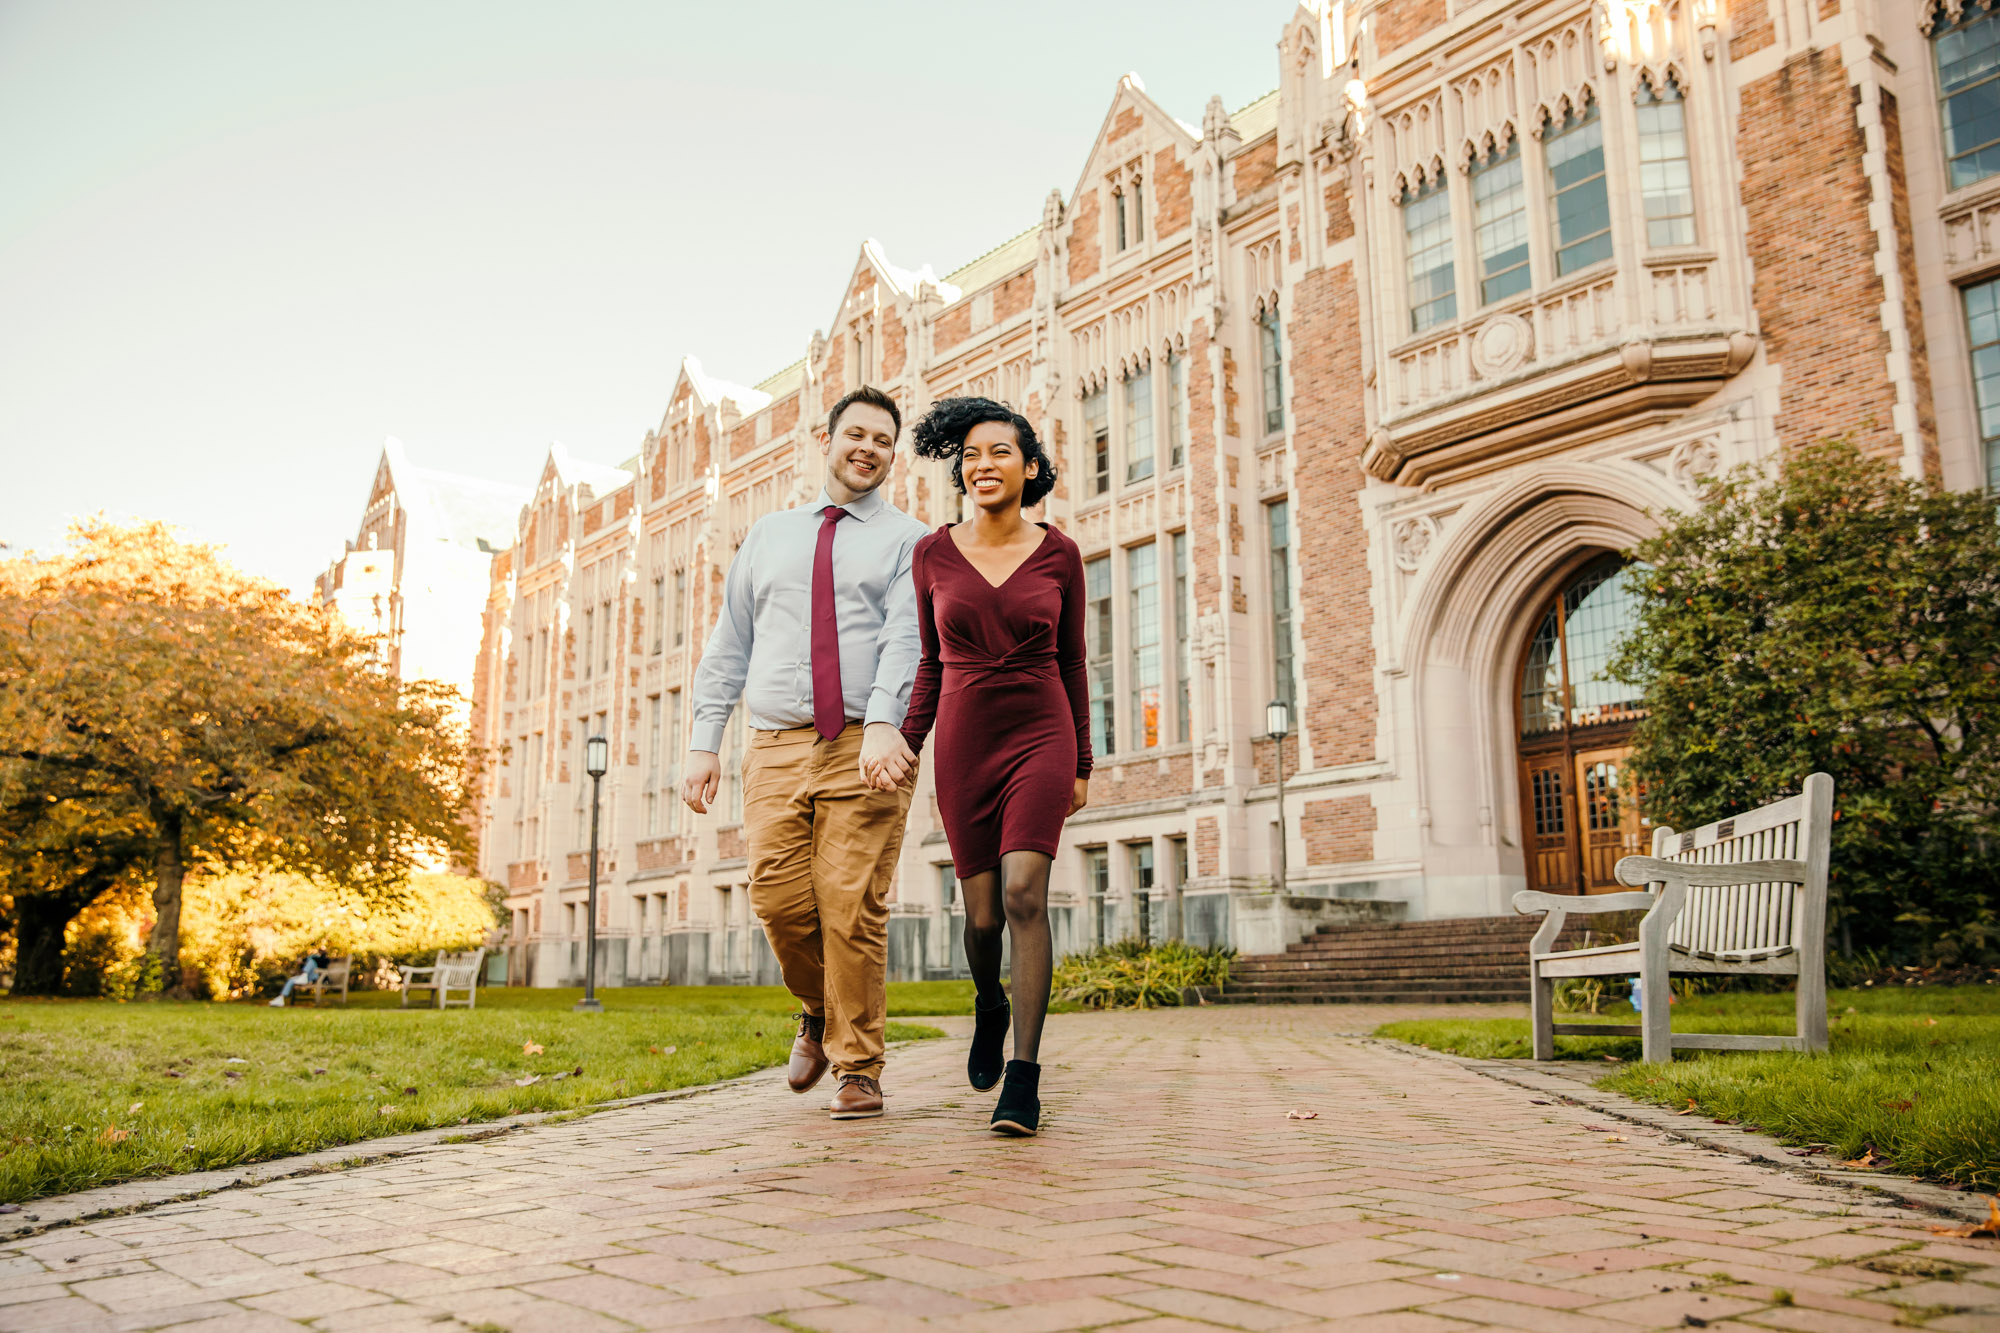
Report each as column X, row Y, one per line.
column 761, row 649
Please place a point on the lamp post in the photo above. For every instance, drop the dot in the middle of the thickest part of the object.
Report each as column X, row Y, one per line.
column 596, row 759
column 1277, row 726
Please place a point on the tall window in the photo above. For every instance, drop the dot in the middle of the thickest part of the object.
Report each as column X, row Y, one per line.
column 659, row 613
column 1565, row 682
column 1097, row 431
column 1666, row 182
column 1097, row 647
column 1278, row 515
column 1982, row 317
column 1578, row 201
column 676, row 747
column 587, row 650
column 1118, row 200
column 1500, row 217
column 1097, row 885
column 1272, row 352
column 1142, row 887
column 680, row 607
column 1177, row 421
column 1968, row 66
column 1427, row 250
column 1138, row 211
column 947, row 885
column 608, row 627
column 542, row 665
column 653, row 739
column 1142, row 599
column 1183, row 659
column 1138, row 426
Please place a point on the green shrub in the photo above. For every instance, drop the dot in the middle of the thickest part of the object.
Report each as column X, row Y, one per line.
column 1133, row 975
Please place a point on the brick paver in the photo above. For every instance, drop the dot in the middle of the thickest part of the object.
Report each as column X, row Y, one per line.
column 1170, row 1191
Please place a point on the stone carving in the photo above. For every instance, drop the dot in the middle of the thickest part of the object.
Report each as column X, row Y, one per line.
column 1693, row 465
column 1411, row 539
column 1501, row 345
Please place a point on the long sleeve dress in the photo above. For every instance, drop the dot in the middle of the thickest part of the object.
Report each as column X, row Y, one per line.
column 1002, row 678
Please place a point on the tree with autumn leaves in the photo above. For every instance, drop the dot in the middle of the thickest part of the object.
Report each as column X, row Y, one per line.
column 162, row 713
column 1835, row 617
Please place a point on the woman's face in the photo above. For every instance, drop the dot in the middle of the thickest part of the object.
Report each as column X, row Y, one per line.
column 993, row 466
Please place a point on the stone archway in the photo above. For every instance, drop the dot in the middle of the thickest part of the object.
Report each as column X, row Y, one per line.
column 1465, row 626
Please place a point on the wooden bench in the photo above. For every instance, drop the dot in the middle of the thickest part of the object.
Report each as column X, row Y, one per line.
column 451, row 972
column 1740, row 897
column 334, row 974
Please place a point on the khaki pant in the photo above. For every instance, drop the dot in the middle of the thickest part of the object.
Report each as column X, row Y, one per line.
column 823, row 848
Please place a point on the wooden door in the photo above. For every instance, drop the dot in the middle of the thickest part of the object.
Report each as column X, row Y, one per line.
column 1610, row 826
column 1550, row 825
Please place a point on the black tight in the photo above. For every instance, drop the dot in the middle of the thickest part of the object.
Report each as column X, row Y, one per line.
column 1016, row 895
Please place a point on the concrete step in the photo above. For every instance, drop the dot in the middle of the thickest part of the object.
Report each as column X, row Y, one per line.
column 1234, row 996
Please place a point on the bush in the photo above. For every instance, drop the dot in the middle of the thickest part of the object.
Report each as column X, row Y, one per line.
column 1134, row 975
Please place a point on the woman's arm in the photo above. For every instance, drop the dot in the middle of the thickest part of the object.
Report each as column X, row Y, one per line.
column 1070, row 654
column 924, row 691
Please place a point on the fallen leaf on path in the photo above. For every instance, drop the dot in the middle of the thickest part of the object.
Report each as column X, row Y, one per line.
column 1987, row 1230
column 173, row 1073
column 1691, row 1108
column 1611, row 1059
column 319, row 1071
column 525, row 1081
column 10, row 1207
column 1302, row 1115
column 1926, row 1022
column 1536, row 1101
column 531, row 1048
column 1869, row 1160
column 385, row 1110
column 1899, row 1105
column 135, row 1108
column 236, row 1060
column 1616, row 1138
column 113, row 1134
column 576, row 1072
column 232, row 1073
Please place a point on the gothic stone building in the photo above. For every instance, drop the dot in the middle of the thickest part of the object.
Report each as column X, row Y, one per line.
column 1357, row 393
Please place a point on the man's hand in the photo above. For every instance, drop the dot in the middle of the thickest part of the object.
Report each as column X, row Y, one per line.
column 1079, row 796
column 887, row 761
column 703, row 780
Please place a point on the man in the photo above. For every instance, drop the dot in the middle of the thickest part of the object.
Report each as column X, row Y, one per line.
column 818, row 636
column 315, row 964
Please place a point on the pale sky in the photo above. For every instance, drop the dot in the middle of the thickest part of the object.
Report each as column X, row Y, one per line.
column 240, row 243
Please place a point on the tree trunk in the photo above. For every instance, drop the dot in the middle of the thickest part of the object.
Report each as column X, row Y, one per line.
column 168, row 872
column 41, row 923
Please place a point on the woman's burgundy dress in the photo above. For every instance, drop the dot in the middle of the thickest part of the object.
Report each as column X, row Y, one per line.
column 1002, row 676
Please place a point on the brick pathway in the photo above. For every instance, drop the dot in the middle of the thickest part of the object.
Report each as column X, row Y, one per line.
column 1170, row 1192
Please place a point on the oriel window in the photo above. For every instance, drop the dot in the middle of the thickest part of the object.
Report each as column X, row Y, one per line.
column 1427, row 257
column 1274, row 371
column 1097, row 434
column 1500, row 219
column 1666, row 181
column 1968, row 69
column 1097, row 649
column 1138, row 426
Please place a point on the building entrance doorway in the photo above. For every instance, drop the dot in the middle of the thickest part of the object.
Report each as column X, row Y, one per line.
column 1579, row 812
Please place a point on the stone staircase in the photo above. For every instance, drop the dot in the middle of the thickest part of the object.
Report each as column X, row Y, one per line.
column 1457, row 960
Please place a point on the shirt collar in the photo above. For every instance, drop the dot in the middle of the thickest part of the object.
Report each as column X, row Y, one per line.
column 864, row 509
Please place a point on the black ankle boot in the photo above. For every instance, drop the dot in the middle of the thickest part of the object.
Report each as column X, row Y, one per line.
column 989, row 1043
column 1020, row 1110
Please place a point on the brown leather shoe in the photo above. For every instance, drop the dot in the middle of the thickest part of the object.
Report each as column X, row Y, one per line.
column 808, row 1064
column 859, row 1098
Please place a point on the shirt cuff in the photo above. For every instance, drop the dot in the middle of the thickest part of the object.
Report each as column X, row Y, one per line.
column 706, row 736
column 885, row 707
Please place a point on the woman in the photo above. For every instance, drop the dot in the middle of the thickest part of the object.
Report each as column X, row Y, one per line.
column 1000, row 606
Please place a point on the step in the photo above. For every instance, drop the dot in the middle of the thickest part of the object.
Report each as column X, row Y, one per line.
column 1234, row 996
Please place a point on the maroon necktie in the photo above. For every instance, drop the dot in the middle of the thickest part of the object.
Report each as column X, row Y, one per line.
column 829, row 705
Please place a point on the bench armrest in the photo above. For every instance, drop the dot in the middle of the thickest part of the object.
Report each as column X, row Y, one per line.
column 1531, row 900
column 1653, row 870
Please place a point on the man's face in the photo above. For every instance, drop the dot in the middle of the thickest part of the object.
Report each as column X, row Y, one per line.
column 861, row 448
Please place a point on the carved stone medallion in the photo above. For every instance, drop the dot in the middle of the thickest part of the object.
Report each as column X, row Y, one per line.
column 1501, row 344
column 1692, row 461
column 1410, row 539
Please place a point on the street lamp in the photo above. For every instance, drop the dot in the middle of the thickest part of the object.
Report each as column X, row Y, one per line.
column 596, row 759
column 1277, row 726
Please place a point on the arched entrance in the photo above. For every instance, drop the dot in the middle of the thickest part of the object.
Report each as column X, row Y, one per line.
column 1573, row 727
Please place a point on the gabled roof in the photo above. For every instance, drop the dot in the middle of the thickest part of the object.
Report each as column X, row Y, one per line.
column 467, row 511
column 1131, row 89
column 903, row 280
column 572, row 471
column 1011, row 255
column 713, row 390
column 1258, row 118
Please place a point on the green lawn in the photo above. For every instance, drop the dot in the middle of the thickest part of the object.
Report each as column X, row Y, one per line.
column 1913, row 1073
column 251, row 1083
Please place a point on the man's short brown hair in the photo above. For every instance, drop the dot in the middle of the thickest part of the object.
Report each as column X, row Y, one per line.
column 872, row 396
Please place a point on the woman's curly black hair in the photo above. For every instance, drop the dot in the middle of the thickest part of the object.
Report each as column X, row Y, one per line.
column 941, row 434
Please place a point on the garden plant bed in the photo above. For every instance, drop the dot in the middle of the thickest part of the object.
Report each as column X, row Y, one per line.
column 88, row 1098
column 1913, row 1076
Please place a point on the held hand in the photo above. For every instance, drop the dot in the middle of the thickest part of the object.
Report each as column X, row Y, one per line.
column 1079, row 795
column 703, row 780
column 886, row 759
